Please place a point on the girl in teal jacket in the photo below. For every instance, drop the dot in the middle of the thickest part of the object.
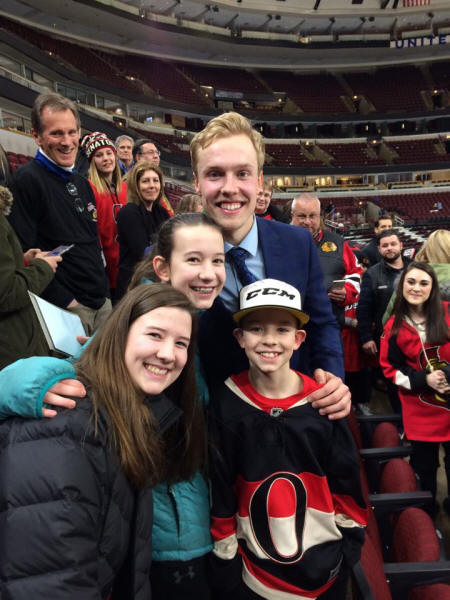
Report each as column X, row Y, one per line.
column 190, row 255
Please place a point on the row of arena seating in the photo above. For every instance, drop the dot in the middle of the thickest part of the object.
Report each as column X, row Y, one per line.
column 337, row 155
column 408, row 206
column 359, row 153
column 386, row 89
column 417, row 211
column 402, row 557
column 17, row 160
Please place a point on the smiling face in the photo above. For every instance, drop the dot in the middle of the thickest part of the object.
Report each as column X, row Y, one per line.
column 197, row 264
column 149, row 187
column 269, row 337
column 262, row 201
column 59, row 136
column 417, row 288
column 228, row 180
column 105, row 161
column 157, row 348
column 149, row 152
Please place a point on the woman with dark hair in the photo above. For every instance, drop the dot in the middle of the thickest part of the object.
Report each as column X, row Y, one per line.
column 436, row 252
column 189, row 255
column 415, row 355
column 77, row 522
column 139, row 221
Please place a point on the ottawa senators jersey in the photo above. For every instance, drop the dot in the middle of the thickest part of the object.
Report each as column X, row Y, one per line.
column 286, row 496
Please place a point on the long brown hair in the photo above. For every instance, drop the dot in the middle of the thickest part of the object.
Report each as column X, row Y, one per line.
column 135, row 175
column 145, row 457
column 166, row 242
column 435, row 326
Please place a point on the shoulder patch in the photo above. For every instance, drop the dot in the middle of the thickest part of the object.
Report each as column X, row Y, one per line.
column 328, row 247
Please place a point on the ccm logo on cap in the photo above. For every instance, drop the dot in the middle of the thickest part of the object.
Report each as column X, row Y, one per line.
column 269, row 291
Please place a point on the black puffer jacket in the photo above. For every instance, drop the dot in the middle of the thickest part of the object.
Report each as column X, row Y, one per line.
column 71, row 525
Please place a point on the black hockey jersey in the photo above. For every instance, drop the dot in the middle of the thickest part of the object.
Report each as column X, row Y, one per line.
column 287, row 506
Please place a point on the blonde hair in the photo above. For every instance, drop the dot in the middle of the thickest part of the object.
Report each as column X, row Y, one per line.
column 436, row 249
column 135, row 175
column 100, row 183
column 267, row 185
column 226, row 125
column 188, row 203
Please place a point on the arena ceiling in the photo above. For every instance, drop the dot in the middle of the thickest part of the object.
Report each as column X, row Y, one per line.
column 299, row 34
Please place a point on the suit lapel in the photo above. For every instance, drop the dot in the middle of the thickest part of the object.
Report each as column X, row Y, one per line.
column 273, row 250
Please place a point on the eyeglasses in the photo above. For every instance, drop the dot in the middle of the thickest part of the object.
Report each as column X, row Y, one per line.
column 151, row 153
column 303, row 217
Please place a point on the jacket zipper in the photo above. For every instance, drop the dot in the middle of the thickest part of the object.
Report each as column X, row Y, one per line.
column 175, row 508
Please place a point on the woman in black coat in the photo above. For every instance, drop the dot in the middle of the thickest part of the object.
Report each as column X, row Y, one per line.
column 75, row 490
column 139, row 221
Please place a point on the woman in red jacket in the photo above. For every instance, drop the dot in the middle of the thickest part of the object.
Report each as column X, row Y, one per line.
column 415, row 355
column 110, row 195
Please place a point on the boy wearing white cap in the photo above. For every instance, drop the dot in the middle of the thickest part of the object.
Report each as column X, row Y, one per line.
column 287, row 508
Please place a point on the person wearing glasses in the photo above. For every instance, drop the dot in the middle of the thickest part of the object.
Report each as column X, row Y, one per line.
column 54, row 205
column 341, row 270
column 110, row 195
column 145, row 149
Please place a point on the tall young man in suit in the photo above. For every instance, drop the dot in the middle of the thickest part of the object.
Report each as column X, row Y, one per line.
column 227, row 160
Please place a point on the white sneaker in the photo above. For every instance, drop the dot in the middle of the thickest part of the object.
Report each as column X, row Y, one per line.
column 364, row 409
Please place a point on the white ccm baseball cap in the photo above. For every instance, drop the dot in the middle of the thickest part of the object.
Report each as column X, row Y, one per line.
column 270, row 293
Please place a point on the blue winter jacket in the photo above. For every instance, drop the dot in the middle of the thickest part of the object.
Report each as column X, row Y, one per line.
column 181, row 510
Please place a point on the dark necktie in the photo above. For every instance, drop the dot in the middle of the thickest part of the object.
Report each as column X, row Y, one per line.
column 237, row 256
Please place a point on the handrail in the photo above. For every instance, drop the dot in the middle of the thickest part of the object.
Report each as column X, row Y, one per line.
column 22, row 80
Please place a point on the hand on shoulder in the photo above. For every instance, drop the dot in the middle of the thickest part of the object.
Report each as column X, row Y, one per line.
column 333, row 398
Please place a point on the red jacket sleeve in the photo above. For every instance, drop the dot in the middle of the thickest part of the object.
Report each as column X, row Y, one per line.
column 395, row 365
column 352, row 277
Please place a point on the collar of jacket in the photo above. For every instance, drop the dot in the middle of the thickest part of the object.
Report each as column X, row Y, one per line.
column 52, row 166
column 164, row 410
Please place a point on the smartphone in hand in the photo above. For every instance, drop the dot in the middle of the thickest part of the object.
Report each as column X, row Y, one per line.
column 59, row 250
column 337, row 284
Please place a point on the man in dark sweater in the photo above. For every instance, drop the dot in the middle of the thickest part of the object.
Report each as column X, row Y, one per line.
column 377, row 286
column 55, row 205
column 370, row 250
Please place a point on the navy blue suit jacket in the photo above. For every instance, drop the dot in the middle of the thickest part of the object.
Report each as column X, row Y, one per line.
column 289, row 255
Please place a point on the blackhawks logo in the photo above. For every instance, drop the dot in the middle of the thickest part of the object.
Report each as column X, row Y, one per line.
column 435, row 361
column 328, row 247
